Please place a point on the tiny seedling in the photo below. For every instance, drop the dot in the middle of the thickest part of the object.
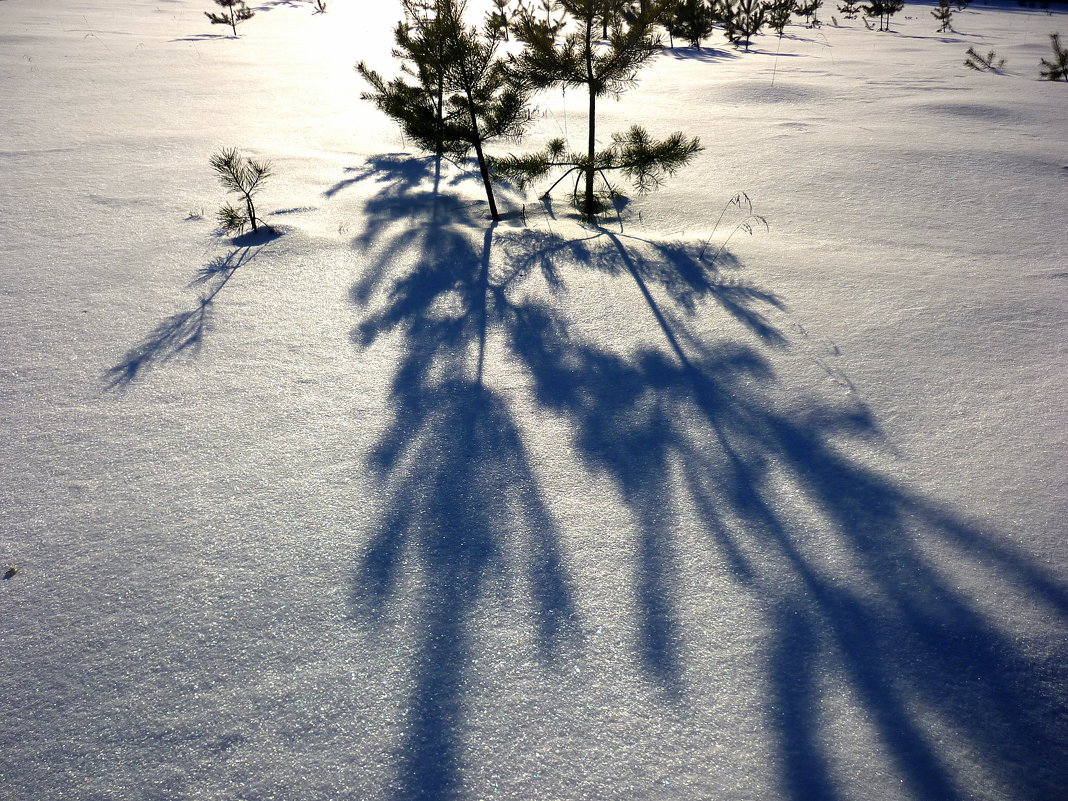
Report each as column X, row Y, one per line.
column 240, row 176
column 1057, row 69
column 988, row 62
column 320, row 6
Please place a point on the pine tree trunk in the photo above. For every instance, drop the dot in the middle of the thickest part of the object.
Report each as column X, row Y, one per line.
column 588, row 203
column 251, row 212
column 482, row 168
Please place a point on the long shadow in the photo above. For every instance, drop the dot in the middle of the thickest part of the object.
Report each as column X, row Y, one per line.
column 204, row 37
column 909, row 642
column 184, row 331
column 464, row 503
column 706, row 54
column 699, row 427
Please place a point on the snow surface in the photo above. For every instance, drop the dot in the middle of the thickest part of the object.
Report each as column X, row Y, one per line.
column 415, row 507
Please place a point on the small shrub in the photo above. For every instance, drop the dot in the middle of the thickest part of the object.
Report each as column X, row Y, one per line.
column 883, row 10
column 233, row 13
column 244, row 177
column 850, row 9
column 808, row 9
column 944, row 14
column 1058, row 68
column 779, row 13
column 988, row 62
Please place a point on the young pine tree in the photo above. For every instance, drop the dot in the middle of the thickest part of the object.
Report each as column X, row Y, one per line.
column 233, row 13
column 779, row 13
column 980, row 63
column 244, row 177
column 690, row 20
column 883, row 9
column 943, row 14
column 464, row 95
column 749, row 19
column 601, row 67
column 421, row 41
column 1058, row 68
column 850, row 9
column 808, row 10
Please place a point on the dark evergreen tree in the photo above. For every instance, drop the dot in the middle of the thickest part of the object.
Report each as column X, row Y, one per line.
column 233, row 13
column 645, row 161
column 749, row 18
column 690, row 20
column 779, row 13
column 244, row 177
column 503, row 16
column 601, row 67
column 808, row 10
column 1058, row 68
column 883, row 10
column 554, row 16
column 419, row 107
column 464, row 95
column 850, row 9
column 944, row 14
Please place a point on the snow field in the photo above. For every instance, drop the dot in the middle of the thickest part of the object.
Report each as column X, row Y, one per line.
column 790, row 528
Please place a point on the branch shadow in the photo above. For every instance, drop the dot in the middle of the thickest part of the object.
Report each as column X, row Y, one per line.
column 464, row 502
column 201, row 37
column 182, row 332
column 706, row 54
column 699, row 423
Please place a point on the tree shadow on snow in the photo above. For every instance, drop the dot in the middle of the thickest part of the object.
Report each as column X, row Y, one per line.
column 183, row 332
column 697, row 422
column 201, row 37
column 707, row 54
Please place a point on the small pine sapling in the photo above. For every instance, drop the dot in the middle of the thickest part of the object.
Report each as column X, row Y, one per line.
column 645, row 161
column 244, row 177
column 988, row 62
column 463, row 95
column 578, row 59
column 726, row 16
column 421, row 42
column 749, row 19
column 808, row 9
column 779, row 13
column 943, row 14
column 883, row 10
column 1058, row 68
column 320, row 6
column 690, row 20
column 234, row 12
column 849, row 9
